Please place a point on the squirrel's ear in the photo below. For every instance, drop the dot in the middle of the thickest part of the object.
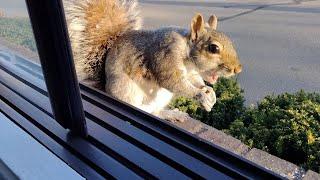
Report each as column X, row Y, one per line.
column 213, row 22
column 197, row 26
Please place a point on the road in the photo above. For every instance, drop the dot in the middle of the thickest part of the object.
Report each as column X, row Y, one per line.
column 278, row 41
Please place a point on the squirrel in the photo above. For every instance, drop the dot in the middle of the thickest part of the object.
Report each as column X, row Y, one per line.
column 147, row 68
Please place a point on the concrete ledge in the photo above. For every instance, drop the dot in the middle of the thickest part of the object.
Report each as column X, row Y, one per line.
column 282, row 167
column 214, row 136
column 190, row 125
column 275, row 164
column 222, row 139
column 311, row 175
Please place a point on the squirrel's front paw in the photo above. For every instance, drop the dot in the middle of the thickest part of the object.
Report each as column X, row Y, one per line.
column 207, row 98
column 209, row 90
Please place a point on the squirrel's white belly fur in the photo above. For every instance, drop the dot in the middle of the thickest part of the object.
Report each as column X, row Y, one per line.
column 147, row 95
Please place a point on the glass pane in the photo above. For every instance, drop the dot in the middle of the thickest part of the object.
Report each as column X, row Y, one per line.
column 18, row 51
column 17, row 44
column 257, row 80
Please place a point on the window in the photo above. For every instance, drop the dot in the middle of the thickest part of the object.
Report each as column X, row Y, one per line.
column 18, row 53
column 99, row 136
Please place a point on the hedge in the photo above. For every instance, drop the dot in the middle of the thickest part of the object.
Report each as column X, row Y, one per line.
column 285, row 125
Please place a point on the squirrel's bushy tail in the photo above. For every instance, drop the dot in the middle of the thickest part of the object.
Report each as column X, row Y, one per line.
column 93, row 26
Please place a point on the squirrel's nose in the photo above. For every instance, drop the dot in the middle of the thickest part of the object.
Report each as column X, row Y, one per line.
column 238, row 69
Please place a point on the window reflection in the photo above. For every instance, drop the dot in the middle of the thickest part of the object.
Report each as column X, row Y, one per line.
column 17, row 44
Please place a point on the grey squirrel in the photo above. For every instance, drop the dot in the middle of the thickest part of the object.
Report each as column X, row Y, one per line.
column 147, row 68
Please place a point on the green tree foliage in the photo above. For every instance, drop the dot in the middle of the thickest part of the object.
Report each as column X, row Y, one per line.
column 17, row 31
column 287, row 125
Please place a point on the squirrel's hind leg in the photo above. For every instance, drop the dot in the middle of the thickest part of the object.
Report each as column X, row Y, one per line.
column 159, row 102
column 159, row 107
column 125, row 89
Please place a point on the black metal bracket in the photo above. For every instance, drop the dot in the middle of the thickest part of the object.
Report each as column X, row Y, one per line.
column 50, row 30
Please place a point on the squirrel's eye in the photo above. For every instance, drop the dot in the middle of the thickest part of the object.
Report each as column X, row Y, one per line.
column 214, row 49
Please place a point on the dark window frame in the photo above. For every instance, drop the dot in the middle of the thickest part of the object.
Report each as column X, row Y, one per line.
column 54, row 49
column 112, row 125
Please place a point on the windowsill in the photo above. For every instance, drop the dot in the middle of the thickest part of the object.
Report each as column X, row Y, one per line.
column 20, row 150
column 6, row 172
column 99, row 117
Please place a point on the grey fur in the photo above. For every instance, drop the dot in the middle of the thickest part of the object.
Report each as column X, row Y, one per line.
column 148, row 68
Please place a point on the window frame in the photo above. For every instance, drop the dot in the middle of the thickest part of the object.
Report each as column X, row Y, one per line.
column 50, row 31
column 88, row 150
